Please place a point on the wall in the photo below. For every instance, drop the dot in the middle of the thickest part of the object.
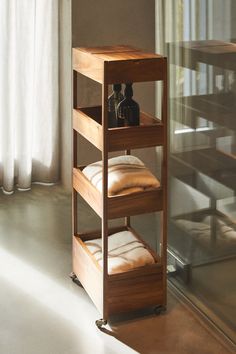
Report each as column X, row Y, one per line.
column 113, row 22
column 65, row 91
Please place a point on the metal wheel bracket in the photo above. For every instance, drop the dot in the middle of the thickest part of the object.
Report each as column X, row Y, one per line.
column 100, row 323
column 159, row 309
column 75, row 279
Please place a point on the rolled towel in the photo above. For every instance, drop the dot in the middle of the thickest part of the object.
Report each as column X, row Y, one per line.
column 125, row 252
column 126, row 174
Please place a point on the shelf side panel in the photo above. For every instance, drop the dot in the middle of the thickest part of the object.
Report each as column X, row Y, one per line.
column 150, row 132
column 134, row 290
column 88, row 65
column 135, row 70
column 121, row 205
column 87, row 272
column 90, row 193
column 88, row 127
column 135, row 203
column 135, row 137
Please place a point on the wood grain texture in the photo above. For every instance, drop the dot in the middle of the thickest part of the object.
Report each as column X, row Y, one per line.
column 136, row 137
column 129, row 65
column 135, row 289
column 136, row 203
column 87, row 122
column 164, row 181
column 121, row 205
column 216, row 53
column 74, row 159
column 88, row 272
column 215, row 107
column 128, row 291
column 135, row 70
column 88, row 65
column 105, row 211
column 109, row 49
column 143, row 286
column 90, row 194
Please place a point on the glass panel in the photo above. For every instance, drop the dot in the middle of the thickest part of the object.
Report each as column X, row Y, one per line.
column 198, row 37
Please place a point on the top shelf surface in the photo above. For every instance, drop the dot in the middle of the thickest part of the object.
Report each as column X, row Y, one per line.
column 118, row 64
column 212, row 52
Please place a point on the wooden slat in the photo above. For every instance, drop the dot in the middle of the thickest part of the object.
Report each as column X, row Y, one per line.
column 88, row 127
column 108, row 49
column 83, row 186
column 136, row 137
column 91, row 235
column 121, row 205
column 135, row 203
column 216, row 53
column 88, row 272
column 127, row 291
column 87, row 121
column 214, row 107
column 164, row 179
column 136, row 70
column 127, row 56
column 135, row 290
column 122, row 66
column 88, row 65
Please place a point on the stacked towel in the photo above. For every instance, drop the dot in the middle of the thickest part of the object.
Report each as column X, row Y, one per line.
column 225, row 230
column 125, row 252
column 126, row 174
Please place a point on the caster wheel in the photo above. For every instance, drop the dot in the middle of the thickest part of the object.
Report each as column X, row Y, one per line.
column 75, row 279
column 159, row 309
column 100, row 323
column 72, row 276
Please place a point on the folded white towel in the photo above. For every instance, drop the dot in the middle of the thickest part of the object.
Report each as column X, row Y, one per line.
column 125, row 252
column 126, row 174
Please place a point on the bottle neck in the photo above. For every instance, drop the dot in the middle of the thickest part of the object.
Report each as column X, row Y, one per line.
column 128, row 91
column 116, row 88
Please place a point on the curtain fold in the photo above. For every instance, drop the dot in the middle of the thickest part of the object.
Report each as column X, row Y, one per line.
column 29, row 84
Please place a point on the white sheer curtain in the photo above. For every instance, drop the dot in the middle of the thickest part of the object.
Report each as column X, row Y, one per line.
column 29, row 85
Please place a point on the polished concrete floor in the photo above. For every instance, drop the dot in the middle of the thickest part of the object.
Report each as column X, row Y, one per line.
column 43, row 312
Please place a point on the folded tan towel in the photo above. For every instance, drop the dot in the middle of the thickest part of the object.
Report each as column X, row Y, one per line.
column 126, row 174
column 125, row 252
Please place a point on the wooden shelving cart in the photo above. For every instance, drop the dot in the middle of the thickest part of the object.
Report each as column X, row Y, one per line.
column 144, row 286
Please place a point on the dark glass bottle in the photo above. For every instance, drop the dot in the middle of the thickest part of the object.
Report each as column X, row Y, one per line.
column 128, row 109
column 113, row 100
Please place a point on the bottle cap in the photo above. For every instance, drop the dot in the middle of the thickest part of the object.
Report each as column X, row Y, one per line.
column 117, row 87
column 128, row 90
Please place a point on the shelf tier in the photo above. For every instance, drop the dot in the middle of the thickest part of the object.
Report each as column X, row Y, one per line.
column 150, row 132
column 128, row 291
column 212, row 52
column 121, row 64
column 121, row 205
column 212, row 163
column 217, row 108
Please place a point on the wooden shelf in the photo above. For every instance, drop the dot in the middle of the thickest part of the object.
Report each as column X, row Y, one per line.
column 212, row 52
column 87, row 121
column 127, row 291
column 144, row 286
column 211, row 162
column 120, row 205
column 123, row 64
column 215, row 108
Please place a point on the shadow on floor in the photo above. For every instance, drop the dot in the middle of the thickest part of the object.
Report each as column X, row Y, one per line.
column 177, row 331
